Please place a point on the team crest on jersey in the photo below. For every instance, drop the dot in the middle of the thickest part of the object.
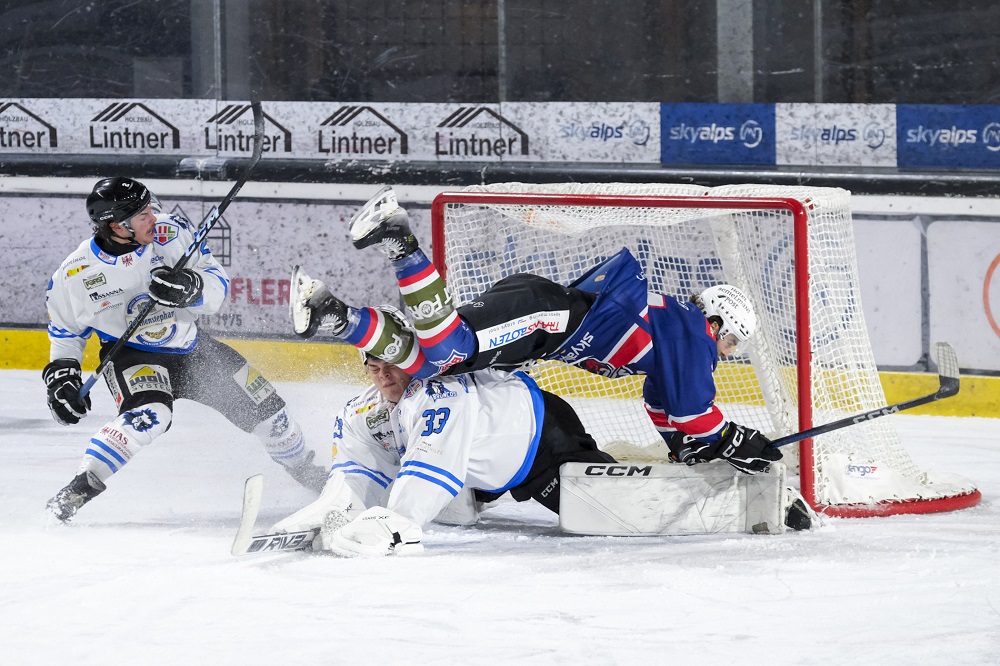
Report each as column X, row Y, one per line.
column 147, row 378
column 253, row 383
column 591, row 364
column 164, row 233
column 279, row 424
column 436, row 390
column 140, row 420
column 454, row 359
column 73, row 271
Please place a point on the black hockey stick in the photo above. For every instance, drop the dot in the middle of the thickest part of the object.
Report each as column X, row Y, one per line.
column 199, row 236
column 245, row 541
column 948, row 377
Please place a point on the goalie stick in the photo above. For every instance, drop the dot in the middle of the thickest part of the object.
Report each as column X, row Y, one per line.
column 245, row 542
column 948, row 377
column 199, row 237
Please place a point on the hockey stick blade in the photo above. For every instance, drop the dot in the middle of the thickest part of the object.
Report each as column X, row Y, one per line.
column 199, row 237
column 245, row 541
column 949, row 383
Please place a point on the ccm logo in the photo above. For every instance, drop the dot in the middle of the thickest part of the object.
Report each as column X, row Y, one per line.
column 618, row 470
column 885, row 411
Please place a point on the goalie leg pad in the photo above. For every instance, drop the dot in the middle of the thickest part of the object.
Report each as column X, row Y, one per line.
column 666, row 499
column 374, row 533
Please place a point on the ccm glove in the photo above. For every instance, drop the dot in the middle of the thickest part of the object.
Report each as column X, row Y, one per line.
column 744, row 448
column 175, row 288
column 63, row 383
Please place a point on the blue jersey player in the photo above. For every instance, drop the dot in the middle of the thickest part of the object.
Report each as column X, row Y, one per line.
column 606, row 322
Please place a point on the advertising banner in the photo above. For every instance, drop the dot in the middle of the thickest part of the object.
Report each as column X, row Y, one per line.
column 717, row 134
column 965, row 137
column 836, row 134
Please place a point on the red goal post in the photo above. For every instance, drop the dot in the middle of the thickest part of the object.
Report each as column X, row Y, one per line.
column 790, row 248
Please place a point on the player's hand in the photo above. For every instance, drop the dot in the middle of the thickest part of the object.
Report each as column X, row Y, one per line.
column 63, row 383
column 744, row 448
column 175, row 288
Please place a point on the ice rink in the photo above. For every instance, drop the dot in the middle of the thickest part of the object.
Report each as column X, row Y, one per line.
column 144, row 576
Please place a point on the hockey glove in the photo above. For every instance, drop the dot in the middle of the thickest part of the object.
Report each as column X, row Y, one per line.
column 63, row 383
column 744, row 448
column 175, row 289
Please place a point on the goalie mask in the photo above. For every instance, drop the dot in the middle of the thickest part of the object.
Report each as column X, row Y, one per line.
column 733, row 307
column 118, row 200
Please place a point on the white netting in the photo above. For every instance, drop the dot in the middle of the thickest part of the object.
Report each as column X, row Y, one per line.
column 683, row 250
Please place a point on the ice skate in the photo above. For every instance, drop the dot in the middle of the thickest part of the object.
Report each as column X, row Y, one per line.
column 383, row 223
column 798, row 516
column 313, row 307
column 309, row 475
column 83, row 488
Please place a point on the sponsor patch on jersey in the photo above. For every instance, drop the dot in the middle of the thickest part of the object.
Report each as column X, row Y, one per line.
column 94, row 282
column 116, row 439
column 591, row 364
column 253, row 383
column 436, row 390
column 147, row 378
column 164, row 233
column 553, row 321
column 73, row 271
column 338, row 431
column 375, row 420
column 364, row 408
column 413, row 388
column 140, row 420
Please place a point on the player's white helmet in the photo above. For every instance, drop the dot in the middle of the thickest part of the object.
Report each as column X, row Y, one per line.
column 733, row 306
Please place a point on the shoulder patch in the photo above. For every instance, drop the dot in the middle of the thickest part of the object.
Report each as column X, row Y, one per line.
column 164, row 233
column 76, row 269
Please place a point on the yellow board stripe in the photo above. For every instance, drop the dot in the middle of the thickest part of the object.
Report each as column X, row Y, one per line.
column 28, row 349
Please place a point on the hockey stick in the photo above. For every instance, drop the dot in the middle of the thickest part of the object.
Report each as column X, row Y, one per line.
column 948, row 377
column 199, row 236
column 245, row 542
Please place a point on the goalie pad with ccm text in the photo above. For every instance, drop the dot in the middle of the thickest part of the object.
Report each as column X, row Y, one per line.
column 646, row 499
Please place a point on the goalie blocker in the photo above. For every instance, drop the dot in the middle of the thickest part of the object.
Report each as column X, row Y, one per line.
column 647, row 499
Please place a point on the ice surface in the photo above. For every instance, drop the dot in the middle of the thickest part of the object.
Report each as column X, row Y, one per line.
column 144, row 576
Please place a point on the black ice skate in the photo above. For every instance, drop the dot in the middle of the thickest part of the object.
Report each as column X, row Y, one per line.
column 314, row 308
column 83, row 488
column 383, row 223
column 798, row 516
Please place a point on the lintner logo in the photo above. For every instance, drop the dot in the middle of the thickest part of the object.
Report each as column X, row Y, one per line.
column 231, row 131
column 478, row 132
column 132, row 125
column 371, row 133
column 21, row 129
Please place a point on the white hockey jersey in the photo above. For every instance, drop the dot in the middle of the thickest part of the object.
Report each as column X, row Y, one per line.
column 93, row 291
column 479, row 430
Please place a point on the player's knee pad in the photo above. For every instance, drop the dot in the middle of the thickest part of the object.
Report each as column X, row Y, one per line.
column 282, row 438
column 122, row 437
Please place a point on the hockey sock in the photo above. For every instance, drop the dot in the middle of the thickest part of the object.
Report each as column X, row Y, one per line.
column 120, row 439
column 373, row 332
column 444, row 336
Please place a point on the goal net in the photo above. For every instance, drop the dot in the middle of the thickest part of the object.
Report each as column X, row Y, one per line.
column 790, row 248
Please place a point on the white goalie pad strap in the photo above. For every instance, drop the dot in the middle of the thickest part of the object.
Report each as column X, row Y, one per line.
column 647, row 499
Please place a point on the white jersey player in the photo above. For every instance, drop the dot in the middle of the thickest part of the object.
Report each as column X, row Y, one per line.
column 99, row 289
column 405, row 449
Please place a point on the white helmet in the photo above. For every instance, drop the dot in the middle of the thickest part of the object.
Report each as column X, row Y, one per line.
column 733, row 306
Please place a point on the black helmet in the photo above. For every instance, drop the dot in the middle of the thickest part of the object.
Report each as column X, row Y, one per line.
column 116, row 200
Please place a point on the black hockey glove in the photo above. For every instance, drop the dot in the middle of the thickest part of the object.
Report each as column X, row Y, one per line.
column 63, row 382
column 175, row 289
column 744, row 448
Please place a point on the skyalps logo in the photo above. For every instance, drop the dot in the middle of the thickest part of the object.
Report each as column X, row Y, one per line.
column 360, row 131
column 991, row 137
column 231, row 130
column 132, row 126
column 22, row 130
column 479, row 132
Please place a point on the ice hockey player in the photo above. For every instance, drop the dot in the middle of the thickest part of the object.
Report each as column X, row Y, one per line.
column 406, row 448
column 99, row 288
column 606, row 322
